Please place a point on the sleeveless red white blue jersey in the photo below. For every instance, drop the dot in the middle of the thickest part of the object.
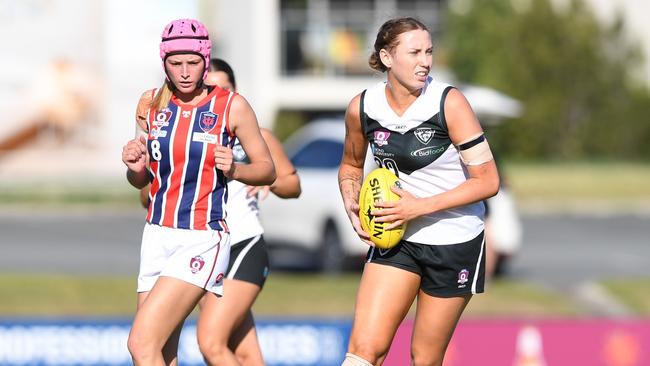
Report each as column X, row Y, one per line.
column 187, row 191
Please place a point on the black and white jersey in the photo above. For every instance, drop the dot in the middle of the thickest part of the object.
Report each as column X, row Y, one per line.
column 243, row 211
column 417, row 148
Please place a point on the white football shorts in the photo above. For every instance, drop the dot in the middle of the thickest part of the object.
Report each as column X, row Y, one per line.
column 199, row 257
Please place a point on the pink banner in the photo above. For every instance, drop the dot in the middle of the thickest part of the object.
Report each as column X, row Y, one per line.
column 538, row 343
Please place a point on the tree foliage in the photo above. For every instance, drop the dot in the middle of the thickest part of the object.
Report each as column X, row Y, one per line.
column 574, row 76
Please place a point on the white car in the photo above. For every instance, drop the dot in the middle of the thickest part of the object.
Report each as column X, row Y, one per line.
column 314, row 227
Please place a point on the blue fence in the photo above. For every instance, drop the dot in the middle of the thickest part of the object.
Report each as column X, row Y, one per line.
column 103, row 342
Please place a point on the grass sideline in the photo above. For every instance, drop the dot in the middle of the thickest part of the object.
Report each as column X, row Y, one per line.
column 569, row 186
column 554, row 185
column 634, row 294
column 285, row 295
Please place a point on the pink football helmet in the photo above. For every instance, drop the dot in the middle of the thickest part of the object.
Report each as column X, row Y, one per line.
column 186, row 36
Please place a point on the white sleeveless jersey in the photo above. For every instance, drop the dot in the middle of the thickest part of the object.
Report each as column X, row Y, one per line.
column 243, row 212
column 417, row 147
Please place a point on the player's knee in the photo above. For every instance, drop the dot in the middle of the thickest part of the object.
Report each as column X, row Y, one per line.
column 426, row 358
column 213, row 352
column 248, row 358
column 139, row 348
column 368, row 351
column 355, row 360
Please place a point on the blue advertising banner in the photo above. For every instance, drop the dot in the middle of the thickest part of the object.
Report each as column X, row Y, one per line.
column 103, row 342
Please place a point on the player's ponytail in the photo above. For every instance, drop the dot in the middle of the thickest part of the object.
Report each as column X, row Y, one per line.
column 162, row 98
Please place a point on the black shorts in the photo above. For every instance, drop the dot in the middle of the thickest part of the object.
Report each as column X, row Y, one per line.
column 249, row 261
column 445, row 270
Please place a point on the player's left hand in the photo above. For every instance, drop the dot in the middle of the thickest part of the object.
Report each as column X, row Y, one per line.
column 397, row 212
column 223, row 160
column 254, row 190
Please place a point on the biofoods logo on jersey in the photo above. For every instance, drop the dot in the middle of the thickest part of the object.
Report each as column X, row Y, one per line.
column 428, row 151
column 196, row 264
column 463, row 277
column 381, row 138
column 424, row 134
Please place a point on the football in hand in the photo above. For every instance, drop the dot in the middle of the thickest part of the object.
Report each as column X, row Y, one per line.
column 376, row 188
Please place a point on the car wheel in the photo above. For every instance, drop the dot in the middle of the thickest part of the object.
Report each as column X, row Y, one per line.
column 331, row 251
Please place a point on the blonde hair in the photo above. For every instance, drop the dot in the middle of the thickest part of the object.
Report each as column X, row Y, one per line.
column 387, row 38
column 163, row 96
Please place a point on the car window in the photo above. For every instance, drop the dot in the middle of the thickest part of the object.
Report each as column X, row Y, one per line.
column 319, row 154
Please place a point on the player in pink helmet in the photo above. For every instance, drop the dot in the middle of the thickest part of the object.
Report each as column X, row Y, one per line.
column 183, row 147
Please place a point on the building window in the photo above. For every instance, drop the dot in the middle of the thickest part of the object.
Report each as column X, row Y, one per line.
column 335, row 37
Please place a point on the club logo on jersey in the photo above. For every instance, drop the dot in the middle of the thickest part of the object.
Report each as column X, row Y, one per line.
column 424, row 134
column 207, row 121
column 196, row 264
column 381, row 138
column 463, row 277
column 163, row 117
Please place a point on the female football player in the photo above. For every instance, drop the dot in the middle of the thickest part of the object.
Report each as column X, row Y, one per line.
column 426, row 132
column 184, row 149
column 226, row 328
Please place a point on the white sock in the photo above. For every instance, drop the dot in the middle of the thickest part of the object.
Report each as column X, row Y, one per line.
column 354, row 360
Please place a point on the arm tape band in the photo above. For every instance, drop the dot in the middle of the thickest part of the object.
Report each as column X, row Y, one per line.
column 476, row 151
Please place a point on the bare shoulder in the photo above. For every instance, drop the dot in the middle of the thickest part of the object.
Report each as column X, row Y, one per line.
column 456, row 99
column 239, row 103
column 353, row 110
column 461, row 120
column 241, row 113
column 144, row 104
column 268, row 135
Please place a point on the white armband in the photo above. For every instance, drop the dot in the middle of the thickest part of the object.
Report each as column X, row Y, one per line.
column 475, row 151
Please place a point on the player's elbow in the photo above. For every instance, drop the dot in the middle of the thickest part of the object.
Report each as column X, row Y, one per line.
column 269, row 176
column 296, row 188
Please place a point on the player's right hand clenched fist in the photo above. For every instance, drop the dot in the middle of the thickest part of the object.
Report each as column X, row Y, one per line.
column 135, row 155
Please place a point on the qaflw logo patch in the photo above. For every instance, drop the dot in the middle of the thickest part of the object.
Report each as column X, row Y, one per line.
column 196, row 263
column 463, row 277
column 381, row 137
column 424, row 135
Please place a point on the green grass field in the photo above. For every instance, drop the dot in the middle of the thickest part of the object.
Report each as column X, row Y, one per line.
column 286, row 295
column 587, row 185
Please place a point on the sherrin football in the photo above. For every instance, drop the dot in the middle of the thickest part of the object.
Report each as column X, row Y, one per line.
column 376, row 187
